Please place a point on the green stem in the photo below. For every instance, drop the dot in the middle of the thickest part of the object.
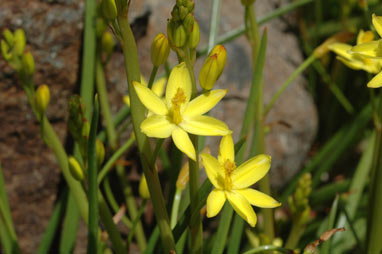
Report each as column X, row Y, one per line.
column 214, row 23
column 374, row 223
column 175, row 207
column 138, row 115
column 152, row 77
column 196, row 223
column 269, row 249
column 285, row 85
column 88, row 56
column 116, row 155
column 294, row 235
column 92, row 181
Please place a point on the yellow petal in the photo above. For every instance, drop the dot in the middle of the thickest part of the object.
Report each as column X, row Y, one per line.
column 205, row 126
column 204, row 103
column 183, row 142
column 368, row 49
column 376, row 81
column 226, row 149
column 179, row 78
column 126, row 100
column 158, row 86
column 151, row 101
column 365, row 36
column 157, row 126
column 353, row 64
column 242, row 207
column 341, row 49
column 377, row 23
column 258, row 198
column 214, row 170
column 215, row 202
column 251, row 171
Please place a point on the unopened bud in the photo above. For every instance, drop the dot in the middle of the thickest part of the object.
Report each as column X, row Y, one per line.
column 180, row 36
column 143, row 188
column 209, row 73
column 28, row 63
column 5, row 50
column 76, row 117
column 100, row 27
column 85, row 130
column 109, row 9
column 278, row 242
column 20, row 41
column 42, row 98
column 194, row 37
column 221, row 54
column 160, row 49
column 8, row 37
column 75, row 169
column 190, row 5
column 100, row 152
column 183, row 11
column 170, row 32
column 107, row 43
column 188, row 22
column 183, row 177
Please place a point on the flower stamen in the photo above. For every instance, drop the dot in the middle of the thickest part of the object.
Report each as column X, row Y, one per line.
column 229, row 167
column 178, row 99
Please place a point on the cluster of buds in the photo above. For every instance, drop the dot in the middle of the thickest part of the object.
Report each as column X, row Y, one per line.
column 182, row 28
column 213, row 67
column 12, row 49
column 298, row 202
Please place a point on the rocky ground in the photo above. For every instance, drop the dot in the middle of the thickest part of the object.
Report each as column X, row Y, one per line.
column 54, row 32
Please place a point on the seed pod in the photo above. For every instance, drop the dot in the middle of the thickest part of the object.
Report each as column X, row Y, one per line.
column 160, row 49
column 41, row 98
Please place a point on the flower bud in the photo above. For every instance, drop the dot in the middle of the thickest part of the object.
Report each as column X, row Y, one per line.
column 183, row 11
column 27, row 62
column 8, row 37
column 221, row 53
column 160, row 49
column 170, row 32
column 100, row 152
column 75, row 169
column 190, row 5
column 183, row 177
column 5, row 50
column 76, row 117
column 41, row 98
column 180, row 36
column 109, row 9
column 194, row 37
column 143, row 188
column 20, row 41
column 188, row 22
column 209, row 73
column 107, row 43
column 100, row 27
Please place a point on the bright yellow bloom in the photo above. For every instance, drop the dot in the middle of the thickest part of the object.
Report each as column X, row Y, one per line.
column 372, row 50
column 233, row 182
column 177, row 115
column 158, row 88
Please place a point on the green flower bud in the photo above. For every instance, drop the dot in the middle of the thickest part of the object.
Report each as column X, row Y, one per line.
column 76, row 117
column 175, row 13
column 109, row 9
column 209, row 73
column 8, row 37
column 107, row 43
column 100, row 152
column 188, row 22
column 75, row 169
column 27, row 62
column 170, row 32
column 190, row 5
column 5, row 50
column 143, row 188
column 160, row 49
column 100, row 27
column 179, row 3
column 42, row 98
column 180, row 36
column 85, row 130
column 20, row 41
column 183, row 11
column 221, row 54
column 194, row 37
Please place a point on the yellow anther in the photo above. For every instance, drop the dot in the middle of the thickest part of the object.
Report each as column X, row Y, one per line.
column 178, row 99
column 229, row 167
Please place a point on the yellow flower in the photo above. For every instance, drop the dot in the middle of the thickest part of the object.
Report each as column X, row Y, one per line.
column 158, row 88
column 372, row 50
column 177, row 115
column 233, row 182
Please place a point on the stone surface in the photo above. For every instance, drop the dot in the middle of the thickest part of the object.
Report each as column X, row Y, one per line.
column 54, row 31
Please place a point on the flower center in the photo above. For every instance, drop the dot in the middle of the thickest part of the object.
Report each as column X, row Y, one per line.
column 229, row 167
column 178, row 99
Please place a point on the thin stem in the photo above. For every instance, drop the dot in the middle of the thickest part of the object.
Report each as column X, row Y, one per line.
column 152, row 77
column 175, row 207
column 214, row 23
column 116, row 155
column 138, row 115
column 285, row 85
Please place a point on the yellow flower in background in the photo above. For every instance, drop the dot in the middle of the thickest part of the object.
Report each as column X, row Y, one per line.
column 233, row 182
column 372, row 50
column 357, row 61
column 177, row 115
